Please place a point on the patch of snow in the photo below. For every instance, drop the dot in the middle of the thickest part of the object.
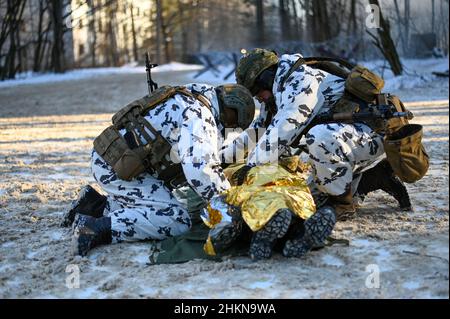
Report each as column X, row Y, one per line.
column 4, row 267
column 86, row 292
column 28, row 160
column 62, row 176
column 21, row 174
column 141, row 258
column 332, row 261
column 363, row 243
column 417, row 72
column 261, row 284
column 406, row 82
column 79, row 74
column 31, row 254
column 413, row 285
column 176, row 66
column 56, row 235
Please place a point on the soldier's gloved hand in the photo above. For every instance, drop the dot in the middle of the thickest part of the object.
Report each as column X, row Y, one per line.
column 239, row 176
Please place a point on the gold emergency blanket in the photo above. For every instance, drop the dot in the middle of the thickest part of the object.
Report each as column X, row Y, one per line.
column 265, row 190
column 268, row 188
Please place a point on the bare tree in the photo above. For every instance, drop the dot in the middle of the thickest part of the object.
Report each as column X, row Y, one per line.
column 10, row 33
column 92, row 33
column 260, row 32
column 42, row 36
column 158, row 24
column 285, row 24
column 352, row 23
column 133, row 33
column 56, row 14
column 385, row 44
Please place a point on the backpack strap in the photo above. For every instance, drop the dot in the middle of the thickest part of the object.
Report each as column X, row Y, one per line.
column 171, row 91
column 326, row 64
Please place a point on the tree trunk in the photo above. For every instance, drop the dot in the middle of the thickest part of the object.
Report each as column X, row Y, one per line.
column 166, row 38
column 56, row 13
column 285, row 25
column 353, row 25
column 113, row 48
column 92, row 33
column 260, row 32
column 297, row 26
column 433, row 23
column 321, row 21
column 133, row 33
column 40, row 37
column 184, row 31
column 402, row 26
column 199, row 26
column 406, row 20
column 309, row 20
column 158, row 30
column 10, row 29
column 385, row 44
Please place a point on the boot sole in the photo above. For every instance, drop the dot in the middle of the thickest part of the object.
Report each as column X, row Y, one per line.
column 262, row 242
column 317, row 229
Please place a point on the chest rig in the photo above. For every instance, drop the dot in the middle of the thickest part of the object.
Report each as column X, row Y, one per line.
column 128, row 155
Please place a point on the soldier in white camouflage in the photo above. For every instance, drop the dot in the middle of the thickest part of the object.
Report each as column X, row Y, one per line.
column 144, row 207
column 338, row 153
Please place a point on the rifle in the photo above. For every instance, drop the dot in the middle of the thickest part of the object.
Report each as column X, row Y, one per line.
column 373, row 112
column 148, row 68
column 382, row 111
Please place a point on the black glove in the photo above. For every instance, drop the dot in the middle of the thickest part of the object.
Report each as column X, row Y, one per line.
column 239, row 176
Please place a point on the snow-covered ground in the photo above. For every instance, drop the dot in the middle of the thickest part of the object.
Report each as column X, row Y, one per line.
column 46, row 133
column 81, row 74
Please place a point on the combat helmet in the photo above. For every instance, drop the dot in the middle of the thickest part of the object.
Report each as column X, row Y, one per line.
column 252, row 65
column 238, row 98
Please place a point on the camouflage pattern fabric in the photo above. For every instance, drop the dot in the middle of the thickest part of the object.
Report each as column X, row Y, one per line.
column 337, row 151
column 144, row 208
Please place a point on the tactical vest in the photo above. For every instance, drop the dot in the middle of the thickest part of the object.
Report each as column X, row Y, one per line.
column 128, row 155
column 402, row 141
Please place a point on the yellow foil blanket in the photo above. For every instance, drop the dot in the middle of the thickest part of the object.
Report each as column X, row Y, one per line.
column 268, row 188
column 265, row 190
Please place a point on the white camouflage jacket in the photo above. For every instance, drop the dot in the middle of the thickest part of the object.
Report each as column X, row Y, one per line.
column 306, row 93
column 194, row 131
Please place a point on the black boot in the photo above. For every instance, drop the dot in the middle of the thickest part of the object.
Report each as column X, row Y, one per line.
column 264, row 240
column 90, row 232
column 89, row 202
column 382, row 177
column 343, row 205
column 316, row 230
column 223, row 238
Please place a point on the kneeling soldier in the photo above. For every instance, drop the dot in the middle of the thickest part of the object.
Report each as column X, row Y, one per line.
column 296, row 93
column 155, row 144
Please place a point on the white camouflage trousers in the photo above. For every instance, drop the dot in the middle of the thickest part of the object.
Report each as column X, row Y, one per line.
column 140, row 209
column 339, row 152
